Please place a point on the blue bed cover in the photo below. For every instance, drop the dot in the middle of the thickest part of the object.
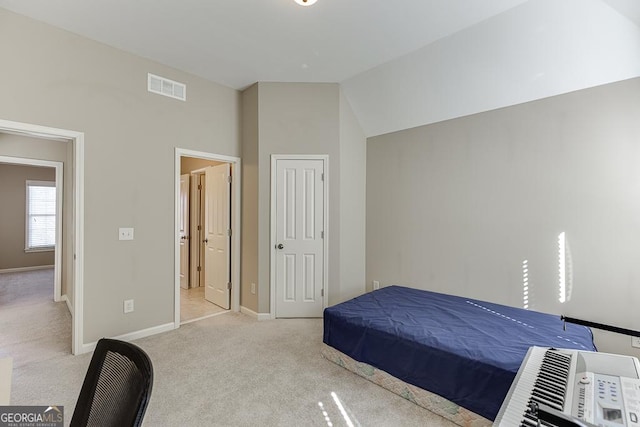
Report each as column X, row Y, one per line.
column 465, row 350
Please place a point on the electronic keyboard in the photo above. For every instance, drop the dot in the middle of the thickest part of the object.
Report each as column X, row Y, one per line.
column 583, row 388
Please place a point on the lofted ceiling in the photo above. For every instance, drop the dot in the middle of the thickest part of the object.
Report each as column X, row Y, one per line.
column 239, row 42
column 358, row 43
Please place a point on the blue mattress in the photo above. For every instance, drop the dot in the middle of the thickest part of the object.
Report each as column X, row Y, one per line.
column 465, row 350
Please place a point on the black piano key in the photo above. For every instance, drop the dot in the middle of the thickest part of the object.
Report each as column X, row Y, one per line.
column 544, row 401
column 530, row 420
column 549, row 386
column 552, row 387
column 559, row 403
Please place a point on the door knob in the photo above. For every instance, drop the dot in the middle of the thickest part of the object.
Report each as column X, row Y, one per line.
column 279, row 246
column 205, row 241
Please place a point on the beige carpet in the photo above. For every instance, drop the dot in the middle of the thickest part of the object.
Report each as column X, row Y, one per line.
column 31, row 324
column 228, row 370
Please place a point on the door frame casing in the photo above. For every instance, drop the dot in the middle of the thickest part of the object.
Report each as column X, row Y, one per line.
column 77, row 141
column 188, row 231
column 194, row 220
column 236, row 187
column 272, row 239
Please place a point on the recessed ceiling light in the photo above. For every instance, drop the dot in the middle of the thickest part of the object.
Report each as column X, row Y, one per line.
column 306, row 2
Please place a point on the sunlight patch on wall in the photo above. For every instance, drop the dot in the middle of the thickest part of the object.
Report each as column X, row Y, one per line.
column 562, row 267
column 525, row 284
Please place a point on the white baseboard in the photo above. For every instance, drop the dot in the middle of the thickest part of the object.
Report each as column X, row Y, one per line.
column 20, row 269
column 131, row 336
column 69, row 305
column 258, row 316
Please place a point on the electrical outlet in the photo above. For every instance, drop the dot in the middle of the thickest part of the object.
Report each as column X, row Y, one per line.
column 376, row 285
column 635, row 342
column 253, row 288
column 125, row 233
column 128, row 305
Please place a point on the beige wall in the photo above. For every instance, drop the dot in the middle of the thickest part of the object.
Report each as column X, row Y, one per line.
column 250, row 188
column 457, row 206
column 302, row 118
column 13, row 180
column 65, row 81
column 353, row 173
column 59, row 151
column 296, row 118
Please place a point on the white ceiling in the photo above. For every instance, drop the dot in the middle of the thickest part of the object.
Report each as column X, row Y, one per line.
column 628, row 8
column 401, row 63
column 239, row 42
column 538, row 49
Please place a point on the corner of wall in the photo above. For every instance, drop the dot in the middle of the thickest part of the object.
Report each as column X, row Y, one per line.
column 353, row 165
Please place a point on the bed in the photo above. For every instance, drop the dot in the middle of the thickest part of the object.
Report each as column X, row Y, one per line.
column 455, row 356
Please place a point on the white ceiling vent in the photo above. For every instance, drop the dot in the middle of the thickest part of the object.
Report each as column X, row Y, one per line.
column 166, row 87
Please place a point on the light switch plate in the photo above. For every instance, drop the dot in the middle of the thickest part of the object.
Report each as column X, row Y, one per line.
column 128, row 305
column 125, row 234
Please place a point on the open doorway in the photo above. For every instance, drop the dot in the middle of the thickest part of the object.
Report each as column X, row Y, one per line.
column 31, row 305
column 207, row 231
column 32, row 190
column 205, row 268
column 24, row 143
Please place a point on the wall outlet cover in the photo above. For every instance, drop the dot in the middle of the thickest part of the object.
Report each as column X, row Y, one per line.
column 125, row 233
column 635, row 342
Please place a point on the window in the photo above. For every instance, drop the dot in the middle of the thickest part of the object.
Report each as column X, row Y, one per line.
column 41, row 216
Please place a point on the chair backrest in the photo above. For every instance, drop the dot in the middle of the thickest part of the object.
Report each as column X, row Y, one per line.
column 116, row 388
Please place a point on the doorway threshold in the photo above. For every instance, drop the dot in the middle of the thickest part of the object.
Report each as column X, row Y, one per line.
column 204, row 317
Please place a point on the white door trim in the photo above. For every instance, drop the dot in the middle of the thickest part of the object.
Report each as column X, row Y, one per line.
column 77, row 141
column 185, row 272
column 194, row 221
column 58, row 166
column 235, row 225
column 272, row 238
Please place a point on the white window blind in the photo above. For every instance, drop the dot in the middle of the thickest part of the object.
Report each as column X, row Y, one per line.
column 41, row 215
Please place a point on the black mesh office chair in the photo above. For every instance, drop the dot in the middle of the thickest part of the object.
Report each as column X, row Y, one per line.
column 117, row 386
